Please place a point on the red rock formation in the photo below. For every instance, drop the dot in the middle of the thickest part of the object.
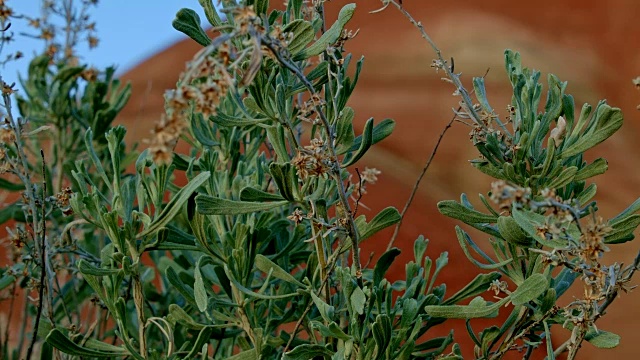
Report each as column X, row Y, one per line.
column 592, row 44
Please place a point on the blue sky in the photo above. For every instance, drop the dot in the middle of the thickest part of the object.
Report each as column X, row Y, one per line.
column 129, row 32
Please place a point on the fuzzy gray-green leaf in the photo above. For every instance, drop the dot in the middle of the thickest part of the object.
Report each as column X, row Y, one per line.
column 209, row 205
column 478, row 308
column 265, row 265
column 385, row 218
column 187, row 21
column 597, row 167
column 476, row 287
column 530, row 289
column 199, row 291
column 175, row 204
column 330, row 36
column 365, row 144
column 603, row 339
column 302, row 33
column 622, row 231
column 455, row 210
column 609, row 121
column 61, row 342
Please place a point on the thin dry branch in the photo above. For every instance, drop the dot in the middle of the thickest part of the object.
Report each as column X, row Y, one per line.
column 396, row 231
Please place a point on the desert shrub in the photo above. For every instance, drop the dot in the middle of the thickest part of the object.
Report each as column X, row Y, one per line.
column 256, row 253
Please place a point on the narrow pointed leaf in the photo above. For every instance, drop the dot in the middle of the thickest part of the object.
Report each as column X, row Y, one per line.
column 530, row 289
column 209, row 205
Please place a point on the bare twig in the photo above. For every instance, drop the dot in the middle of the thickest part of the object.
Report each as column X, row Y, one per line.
column 455, row 78
column 396, row 231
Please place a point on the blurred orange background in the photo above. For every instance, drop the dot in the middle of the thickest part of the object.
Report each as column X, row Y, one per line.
column 591, row 44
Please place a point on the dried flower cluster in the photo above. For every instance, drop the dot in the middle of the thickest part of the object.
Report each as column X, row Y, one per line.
column 202, row 87
column 61, row 41
column 367, row 176
column 505, row 195
column 207, row 79
column 313, row 160
column 61, row 201
column 307, row 110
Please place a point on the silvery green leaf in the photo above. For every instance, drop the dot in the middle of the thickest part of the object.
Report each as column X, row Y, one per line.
column 365, row 144
column 86, row 268
column 455, row 210
column 587, row 194
column 307, row 351
column 512, row 232
column 178, row 314
column 632, row 209
column 489, row 169
column 478, row 308
column 185, row 290
column 199, row 291
column 382, row 330
column 622, row 230
column 608, row 120
column 326, row 311
column 285, row 177
column 597, row 167
column 174, row 205
column 344, row 131
column 532, row 287
column 385, row 218
column 302, row 35
column 530, row 222
column 187, row 21
column 602, row 339
column 223, row 119
column 481, row 94
column 99, row 349
column 209, row 205
column 211, row 13
column 566, row 176
column 251, row 194
column 251, row 293
column 332, row 330
column 245, row 355
column 6, row 280
column 358, row 300
column 330, row 36
column 276, row 137
column 265, row 265
column 465, row 241
column 476, row 287
column 380, row 131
